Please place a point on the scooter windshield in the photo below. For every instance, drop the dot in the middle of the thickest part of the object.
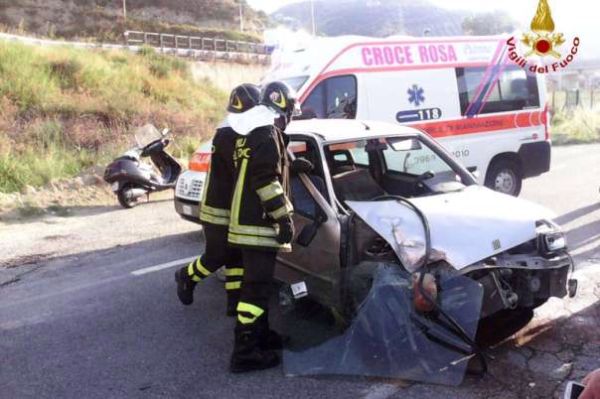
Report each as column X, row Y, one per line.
column 387, row 337
column 145, row 135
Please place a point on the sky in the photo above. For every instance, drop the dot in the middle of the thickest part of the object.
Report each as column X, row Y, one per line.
column 571, row 17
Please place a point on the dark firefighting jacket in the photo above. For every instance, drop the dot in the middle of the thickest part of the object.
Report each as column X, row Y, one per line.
column 261, row 194
column 218, row 186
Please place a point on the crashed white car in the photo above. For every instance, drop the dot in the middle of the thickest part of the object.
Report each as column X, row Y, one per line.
column 380, row 192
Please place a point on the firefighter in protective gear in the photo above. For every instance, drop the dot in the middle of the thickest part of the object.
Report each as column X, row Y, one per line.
column 215, row 209
column 261, row 223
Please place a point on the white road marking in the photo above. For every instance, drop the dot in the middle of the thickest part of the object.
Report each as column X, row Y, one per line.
column 151, row 269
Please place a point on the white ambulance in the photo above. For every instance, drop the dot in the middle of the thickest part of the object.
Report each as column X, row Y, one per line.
column 464, row 91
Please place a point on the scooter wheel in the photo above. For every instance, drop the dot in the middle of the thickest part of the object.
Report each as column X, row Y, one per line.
column 125, row 198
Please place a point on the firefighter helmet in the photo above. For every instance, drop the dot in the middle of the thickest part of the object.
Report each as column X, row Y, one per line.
column 243, row 97
column 281, row 98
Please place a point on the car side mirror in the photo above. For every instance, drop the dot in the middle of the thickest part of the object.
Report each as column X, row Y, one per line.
column 301, row 165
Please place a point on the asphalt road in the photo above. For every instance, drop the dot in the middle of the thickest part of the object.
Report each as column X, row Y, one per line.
column 76, row 321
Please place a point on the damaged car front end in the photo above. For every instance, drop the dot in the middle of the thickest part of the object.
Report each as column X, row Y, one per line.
column 418, row 265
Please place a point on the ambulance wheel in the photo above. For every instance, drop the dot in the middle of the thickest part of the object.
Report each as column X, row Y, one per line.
column 504, row 176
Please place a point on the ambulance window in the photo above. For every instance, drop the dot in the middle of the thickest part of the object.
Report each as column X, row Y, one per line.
column 296, row 82
column 332, row 98
column 513, row 90
column 314, row 106
column 341, row 97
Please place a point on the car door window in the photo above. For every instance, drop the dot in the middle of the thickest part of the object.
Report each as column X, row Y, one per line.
column 302, row 199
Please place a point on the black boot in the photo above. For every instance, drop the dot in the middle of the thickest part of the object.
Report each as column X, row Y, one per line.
column 269, row 339
column 185, row 286
column 247, row 354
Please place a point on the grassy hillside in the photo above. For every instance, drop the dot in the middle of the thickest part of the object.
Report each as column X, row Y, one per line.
column 63, row 109
column 102, row 20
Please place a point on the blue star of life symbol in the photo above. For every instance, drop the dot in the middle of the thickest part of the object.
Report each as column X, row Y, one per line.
column 415, row 95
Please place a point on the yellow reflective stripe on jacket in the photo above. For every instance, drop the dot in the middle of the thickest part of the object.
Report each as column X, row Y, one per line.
column 233, row 285
column 257, row 241
column 253, row 310
column 270, row 191
column 205, row 217
column 252, row 230
column 278, row 213
column 215, row 211
column 237, row 194
column 236, row 202
column 231, row 272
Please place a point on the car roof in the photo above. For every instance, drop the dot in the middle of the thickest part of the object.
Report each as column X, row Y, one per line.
column 335, row 130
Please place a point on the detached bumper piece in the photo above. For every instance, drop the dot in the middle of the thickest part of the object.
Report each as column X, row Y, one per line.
column 387, row 337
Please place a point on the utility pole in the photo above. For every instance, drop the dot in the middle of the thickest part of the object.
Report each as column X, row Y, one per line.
column 312, row 17
column 125, row 10
column 241, row 17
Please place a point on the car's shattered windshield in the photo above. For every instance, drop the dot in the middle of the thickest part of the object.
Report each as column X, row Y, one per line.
column 364, row 170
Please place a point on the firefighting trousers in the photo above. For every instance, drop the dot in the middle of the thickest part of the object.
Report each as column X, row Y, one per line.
column 259, row 266
column 218, row 253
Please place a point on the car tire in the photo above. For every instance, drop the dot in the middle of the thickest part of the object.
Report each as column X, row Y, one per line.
column 124, row 198
column 505, row 177
column 496, row 328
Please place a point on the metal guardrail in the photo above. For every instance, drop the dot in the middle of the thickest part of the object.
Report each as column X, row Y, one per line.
column 199, row 47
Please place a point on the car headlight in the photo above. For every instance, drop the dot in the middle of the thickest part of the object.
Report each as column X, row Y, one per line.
column 182, row 186
column 555, row 241
column 551, row 238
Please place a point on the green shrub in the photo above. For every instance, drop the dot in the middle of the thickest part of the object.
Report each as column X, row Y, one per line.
column 70, row 107
column 24, row 78
column 576, row 126
column 66, row 71
column 37, row 168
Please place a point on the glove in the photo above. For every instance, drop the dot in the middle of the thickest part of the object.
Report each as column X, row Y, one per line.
column 286, row 230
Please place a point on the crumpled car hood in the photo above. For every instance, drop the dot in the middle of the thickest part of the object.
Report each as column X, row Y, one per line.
column 466, row 226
